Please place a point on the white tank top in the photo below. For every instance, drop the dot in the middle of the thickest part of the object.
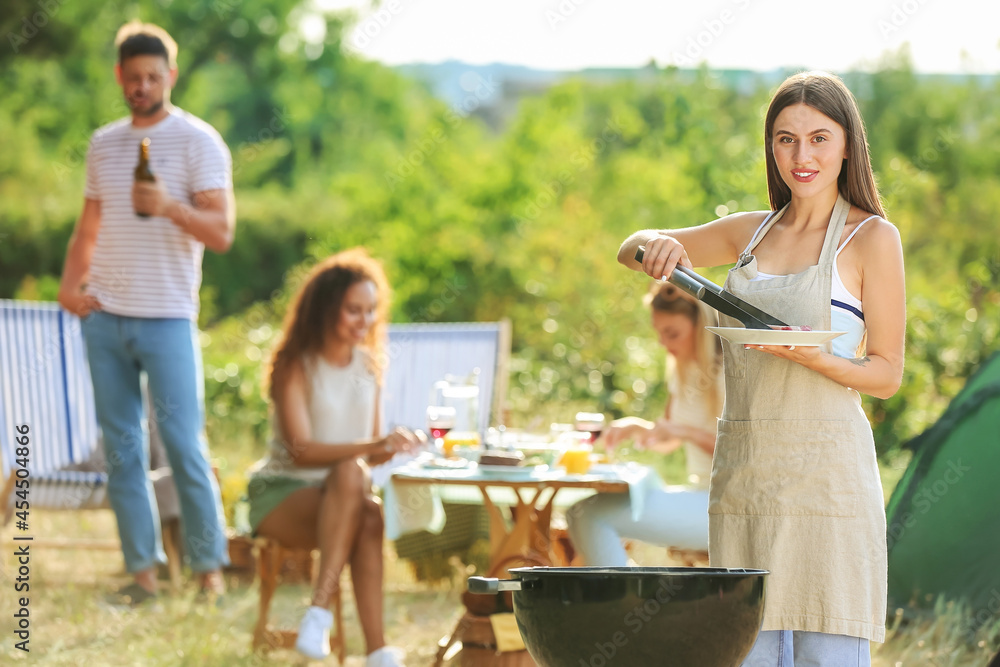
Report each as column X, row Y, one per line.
column 341, row 410
column 690, row 407
column 846, row 311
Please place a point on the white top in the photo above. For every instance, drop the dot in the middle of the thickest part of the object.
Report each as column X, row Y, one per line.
column 149, row 267
column 690, row 406
column 341, row 411
column 846, row 311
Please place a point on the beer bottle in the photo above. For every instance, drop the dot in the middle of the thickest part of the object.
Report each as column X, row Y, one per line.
column 142, row 171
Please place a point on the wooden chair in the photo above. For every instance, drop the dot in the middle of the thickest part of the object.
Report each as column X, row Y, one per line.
column 273, row 563
column 419, row 355
column 564, row 554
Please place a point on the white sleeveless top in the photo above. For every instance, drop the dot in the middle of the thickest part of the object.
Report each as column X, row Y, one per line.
column 691, row 407
column 341, row 411
column 846, row 311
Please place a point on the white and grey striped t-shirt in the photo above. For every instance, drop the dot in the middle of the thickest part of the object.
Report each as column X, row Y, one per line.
column 150, row 267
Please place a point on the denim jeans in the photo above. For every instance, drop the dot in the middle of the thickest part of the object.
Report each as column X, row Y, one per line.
column 120, row 349
column 787, row 648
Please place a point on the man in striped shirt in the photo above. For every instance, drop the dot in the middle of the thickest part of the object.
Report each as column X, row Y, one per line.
column 132, row 274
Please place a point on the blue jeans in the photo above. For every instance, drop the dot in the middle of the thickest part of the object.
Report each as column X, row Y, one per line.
column 168, row 352
column 787, row 648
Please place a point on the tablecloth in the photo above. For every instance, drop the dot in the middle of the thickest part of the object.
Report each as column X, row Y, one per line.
column 410, row 506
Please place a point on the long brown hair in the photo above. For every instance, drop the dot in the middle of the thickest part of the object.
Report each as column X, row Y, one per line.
column 702, row 372
column 827, row 94
column 315, row 310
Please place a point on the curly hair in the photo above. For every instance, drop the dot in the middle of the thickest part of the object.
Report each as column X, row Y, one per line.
column 313, row 314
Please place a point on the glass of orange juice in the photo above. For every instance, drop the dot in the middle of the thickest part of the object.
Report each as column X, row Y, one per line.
column 454, row 439
column 577, row 459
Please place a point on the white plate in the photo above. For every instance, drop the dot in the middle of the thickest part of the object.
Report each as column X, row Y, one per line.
column 512, row 472
column 742, row 336
column 446, row 464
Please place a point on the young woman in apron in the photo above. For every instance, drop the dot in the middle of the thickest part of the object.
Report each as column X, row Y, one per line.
column 795, row 487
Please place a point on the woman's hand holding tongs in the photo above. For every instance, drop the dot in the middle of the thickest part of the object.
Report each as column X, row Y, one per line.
column 662, row 254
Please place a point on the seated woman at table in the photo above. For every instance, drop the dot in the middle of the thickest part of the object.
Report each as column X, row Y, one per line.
column 314, row 489
column 675, row 516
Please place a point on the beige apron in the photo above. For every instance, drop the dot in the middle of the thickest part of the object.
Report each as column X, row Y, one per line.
column 795, row 486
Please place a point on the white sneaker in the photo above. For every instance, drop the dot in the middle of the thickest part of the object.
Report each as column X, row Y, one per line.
column 387, row 656
column 314, row 633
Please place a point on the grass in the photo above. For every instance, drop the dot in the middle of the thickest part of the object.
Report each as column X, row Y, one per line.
column 71, row 624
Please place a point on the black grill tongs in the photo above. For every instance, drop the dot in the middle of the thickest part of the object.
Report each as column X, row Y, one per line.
column 725, row 302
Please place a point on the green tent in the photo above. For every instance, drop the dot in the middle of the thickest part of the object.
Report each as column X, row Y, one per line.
column 944, row 515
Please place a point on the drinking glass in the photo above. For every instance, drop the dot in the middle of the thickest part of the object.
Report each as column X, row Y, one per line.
column 590, row 422
column 440, row 420
column 577, row 459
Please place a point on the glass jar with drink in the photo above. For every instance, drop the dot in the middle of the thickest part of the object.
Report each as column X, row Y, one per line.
column 453, row 414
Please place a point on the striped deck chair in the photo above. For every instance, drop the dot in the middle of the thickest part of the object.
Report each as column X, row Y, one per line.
column 421, row 354
column 45, row 385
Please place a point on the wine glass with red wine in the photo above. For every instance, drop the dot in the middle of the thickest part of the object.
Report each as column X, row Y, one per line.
column 440, row 420
column 590, row 422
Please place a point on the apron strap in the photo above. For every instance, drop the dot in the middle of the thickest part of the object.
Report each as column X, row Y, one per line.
column 761, row 232
column 834, row 230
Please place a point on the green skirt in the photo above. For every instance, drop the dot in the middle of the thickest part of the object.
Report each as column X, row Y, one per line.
column 266, row 493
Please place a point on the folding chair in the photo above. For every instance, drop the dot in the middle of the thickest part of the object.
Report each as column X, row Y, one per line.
column 45, row 385
column 419, row 355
